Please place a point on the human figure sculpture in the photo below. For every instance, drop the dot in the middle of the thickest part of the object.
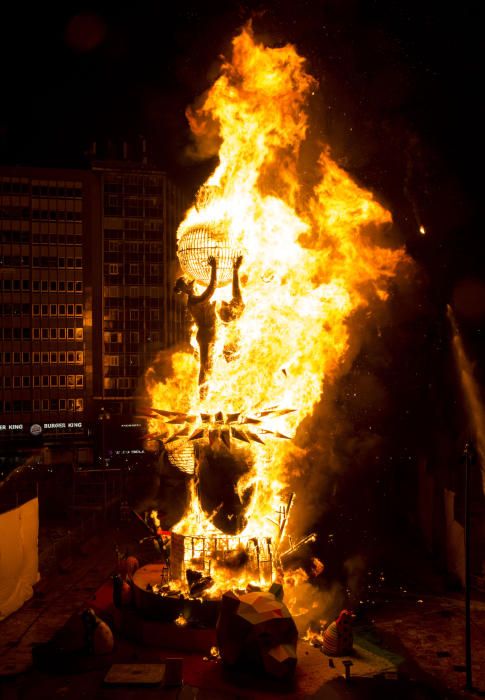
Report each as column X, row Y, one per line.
column 203, row 311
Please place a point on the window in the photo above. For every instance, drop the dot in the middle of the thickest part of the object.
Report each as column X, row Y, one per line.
column 53, row 358
column 71, row 381
column 62, row 380
column 62, row 357
column 35, row 309
column 45, row 380
column 36, row 333
column 36, row 286
column 134, row 269
column 78, row 262
column 36, row 358
column 45, row 334
column 26, row 358
column 53, row 286
column 79, row 380
column 62, row 404
column 44, row 309
column 44, row 285
column 79, row 357
column 70, row 357
column 154, row 315
column 45, row 404
column 134, row 337
column 62, row 309
column 16, row 358
column 53, row 380
column 16, row 382
column 79, row 309
column 26, row 381
column 70, row 333
column 53, row 333
column 114, row 269
column 70, row 309
column 70, row 286
column 79, row 287
column 36, row 404
column 134, row 314
column 53, row 310
column 44, row 358
column 112, row 360
column 62, row 286
column 78, row 333
column 70, row 404
column 36, row 381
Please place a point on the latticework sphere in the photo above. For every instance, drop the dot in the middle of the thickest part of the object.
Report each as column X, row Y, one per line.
column 197, row 244
column 182, row 457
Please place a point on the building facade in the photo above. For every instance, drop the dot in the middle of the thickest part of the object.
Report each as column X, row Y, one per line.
column 86, row 270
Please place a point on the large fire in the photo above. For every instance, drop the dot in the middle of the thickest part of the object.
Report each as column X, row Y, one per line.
column 310, row 259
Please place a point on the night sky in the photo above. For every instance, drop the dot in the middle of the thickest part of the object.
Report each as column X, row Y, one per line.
column 399, row 104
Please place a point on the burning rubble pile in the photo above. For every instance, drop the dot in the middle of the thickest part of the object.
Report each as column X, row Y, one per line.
column 277, row 253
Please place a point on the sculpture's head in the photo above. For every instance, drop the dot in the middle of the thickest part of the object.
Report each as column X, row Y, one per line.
column 183, row 286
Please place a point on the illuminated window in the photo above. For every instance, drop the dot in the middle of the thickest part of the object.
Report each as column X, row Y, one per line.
column 70, row 404
column 71, row 381
column 79, row 357
column 79, row 380
column 79, row 405
column 79, row 333
column 114, row 269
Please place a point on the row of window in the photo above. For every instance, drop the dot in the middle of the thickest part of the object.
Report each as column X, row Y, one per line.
column 14, row 237
column 133, row 315
column 133, row 291
column 41, row 333
column 133, row 269
column 16, row 406
column 26, row 285
column 55, row 215
column 120, row 382
column 15, row 187
column 42, row 261
column 135, row 246
column 68, row 238
column 69, row 357
column 114, row 360
column 69, row 381
column 57, row 309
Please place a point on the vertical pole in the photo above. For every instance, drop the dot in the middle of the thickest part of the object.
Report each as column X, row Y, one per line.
column 468, row 640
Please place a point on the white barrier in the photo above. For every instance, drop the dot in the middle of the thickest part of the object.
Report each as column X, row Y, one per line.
column 19, row 557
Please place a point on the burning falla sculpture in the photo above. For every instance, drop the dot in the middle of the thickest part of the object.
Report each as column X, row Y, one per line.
column 214, row 448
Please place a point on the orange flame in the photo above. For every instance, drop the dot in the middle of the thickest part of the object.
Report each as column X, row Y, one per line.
column 310, row 260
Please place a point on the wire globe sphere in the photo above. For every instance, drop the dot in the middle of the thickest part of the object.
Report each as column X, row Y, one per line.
column 197, row 244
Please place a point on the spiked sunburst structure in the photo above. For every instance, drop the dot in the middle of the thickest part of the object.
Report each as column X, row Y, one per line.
column 224, row 426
